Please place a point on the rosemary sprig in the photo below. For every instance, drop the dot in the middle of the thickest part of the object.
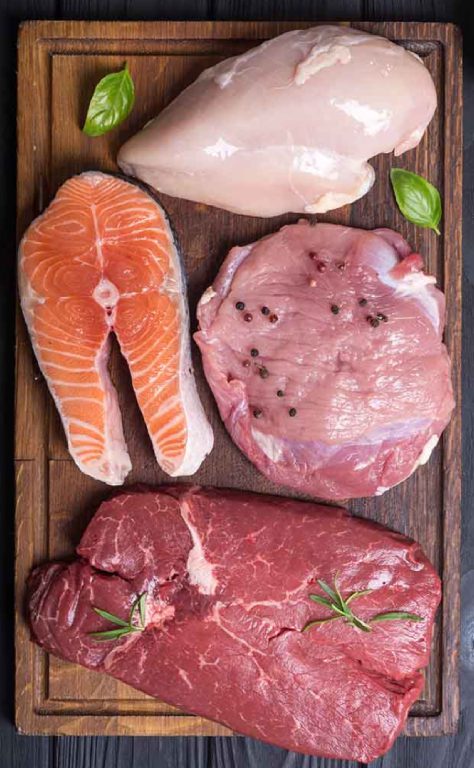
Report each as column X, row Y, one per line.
column 402, row 615
column 137, row 611
column 340, row 606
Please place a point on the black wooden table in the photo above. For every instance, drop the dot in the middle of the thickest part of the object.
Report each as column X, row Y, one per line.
column 126, row 752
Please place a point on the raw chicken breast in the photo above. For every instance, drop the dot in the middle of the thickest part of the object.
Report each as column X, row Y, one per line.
column 289, row 125
column 323, row 348
column 101, row 258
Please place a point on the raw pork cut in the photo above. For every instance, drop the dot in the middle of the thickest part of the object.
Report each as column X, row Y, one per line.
column 289, row 125
column 227, row 577
column 102, row 257
column 323, row 348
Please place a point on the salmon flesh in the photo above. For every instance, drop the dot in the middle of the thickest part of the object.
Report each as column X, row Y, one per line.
column 102, row 258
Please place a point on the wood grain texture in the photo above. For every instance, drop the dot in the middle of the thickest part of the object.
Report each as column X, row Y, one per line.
column 394, row 10
column 235, row 751
column 135, row 9
column 332, row 10
column 59, row 499
column 170, row 752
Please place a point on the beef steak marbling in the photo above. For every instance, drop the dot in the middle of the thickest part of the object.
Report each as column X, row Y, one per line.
column 227, row 576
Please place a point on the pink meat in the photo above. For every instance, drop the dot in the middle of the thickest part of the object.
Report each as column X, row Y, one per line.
column 288, row 125
column 227, row 577
column 333, row 378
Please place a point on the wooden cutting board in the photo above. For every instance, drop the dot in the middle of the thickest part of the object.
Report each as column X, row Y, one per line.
column 59, row 64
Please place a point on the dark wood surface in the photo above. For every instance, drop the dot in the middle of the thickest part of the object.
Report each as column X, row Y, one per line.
column 53, row 498
column 23, row 751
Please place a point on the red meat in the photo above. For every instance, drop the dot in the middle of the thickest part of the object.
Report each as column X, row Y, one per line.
column 227, row 577
column 323, row 348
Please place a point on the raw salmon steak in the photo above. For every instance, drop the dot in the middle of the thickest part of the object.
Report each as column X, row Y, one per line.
column 102, row 258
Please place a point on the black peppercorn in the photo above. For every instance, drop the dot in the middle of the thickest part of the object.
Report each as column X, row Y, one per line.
column 334, row 309
column 292, row 412
column 280, row 393
column 362, row 302
column 264, row 373
column 374, row 322
column 257, row 412
column 254, row 352
column 240, row 305
column 265, row 311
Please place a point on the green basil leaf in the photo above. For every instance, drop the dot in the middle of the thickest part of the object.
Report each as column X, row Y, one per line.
column 418, row 200
column 112, row 101
column 111, row 617
column 394, row 615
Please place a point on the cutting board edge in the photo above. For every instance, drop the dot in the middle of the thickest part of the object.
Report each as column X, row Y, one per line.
column 31, row 31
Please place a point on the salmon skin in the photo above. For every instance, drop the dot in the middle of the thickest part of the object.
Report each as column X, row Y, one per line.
column 102, row 258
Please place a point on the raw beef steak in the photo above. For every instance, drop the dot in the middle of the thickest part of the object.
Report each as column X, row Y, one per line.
column 323, row 348
column 227, row 577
